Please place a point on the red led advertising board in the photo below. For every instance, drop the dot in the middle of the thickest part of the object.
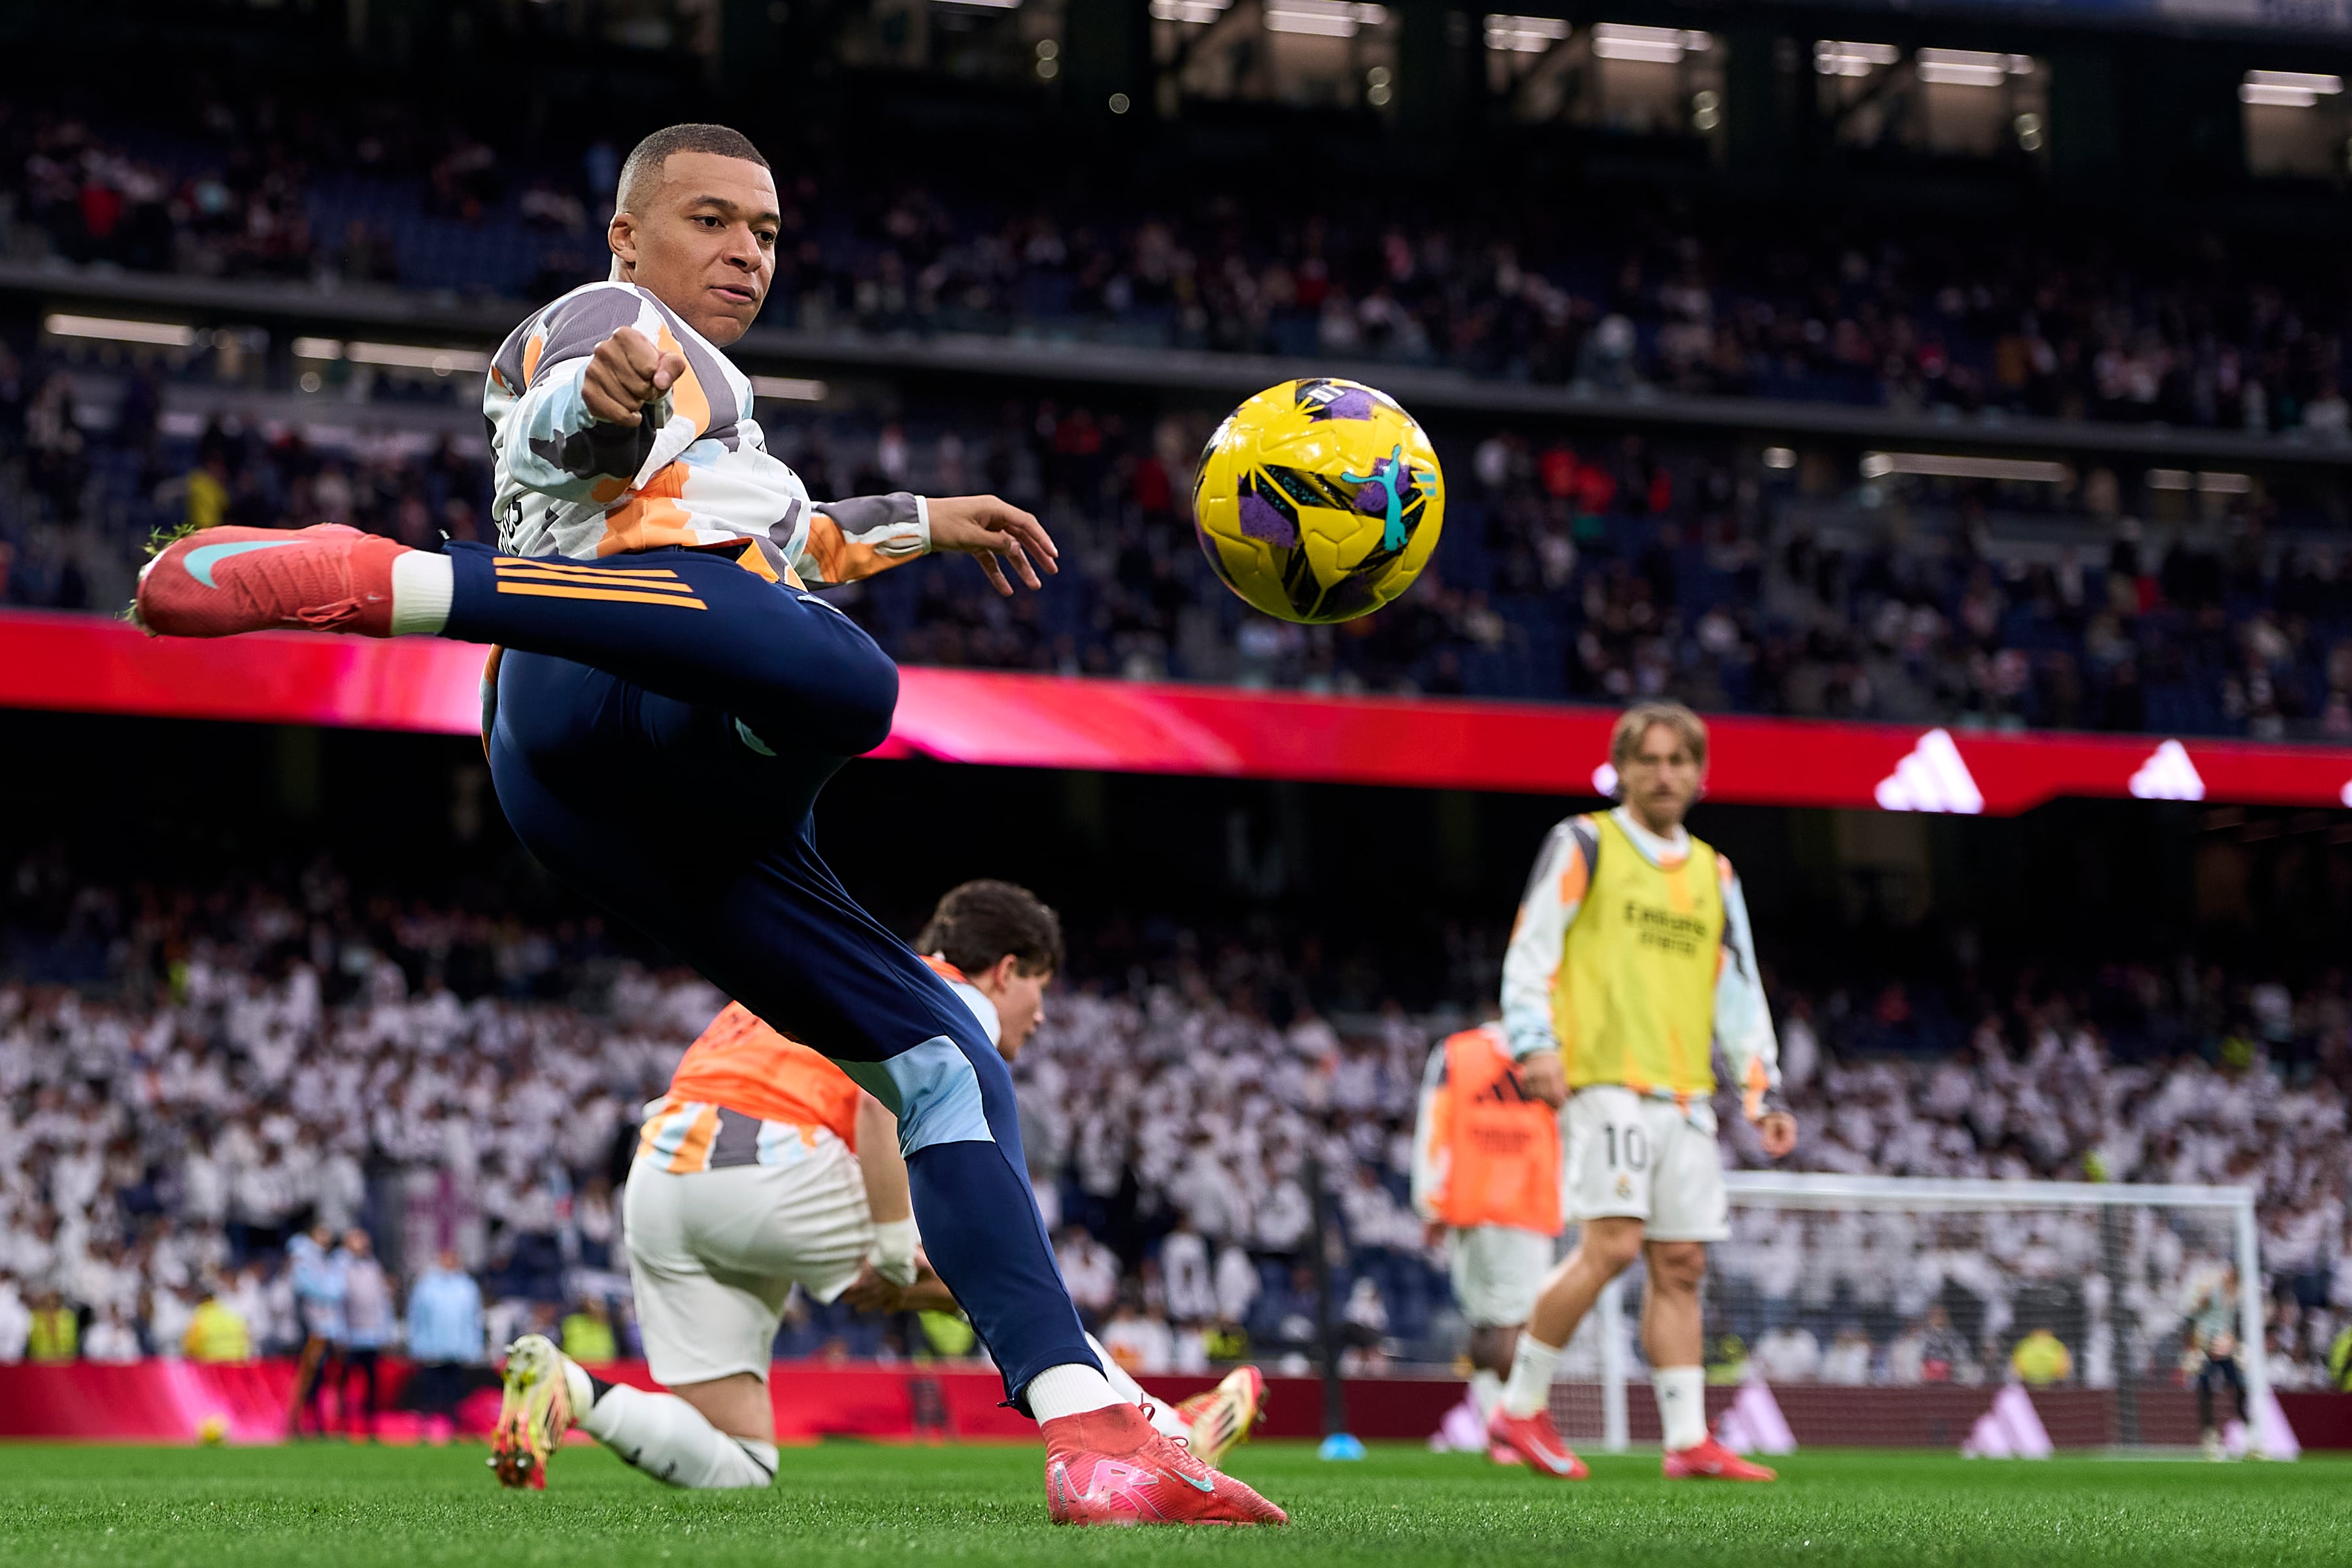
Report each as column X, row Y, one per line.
column 83, row 664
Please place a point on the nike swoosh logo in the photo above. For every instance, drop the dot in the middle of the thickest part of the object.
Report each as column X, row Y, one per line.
column 1196, row 1486
column 203, row 557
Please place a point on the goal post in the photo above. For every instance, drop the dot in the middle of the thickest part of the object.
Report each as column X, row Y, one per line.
column 1891, row 1309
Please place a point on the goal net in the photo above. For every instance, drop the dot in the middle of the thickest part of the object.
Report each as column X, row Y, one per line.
column 1891, row 1311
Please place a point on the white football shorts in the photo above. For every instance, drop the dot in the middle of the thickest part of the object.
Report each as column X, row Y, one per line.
column 714, row 1255
column 1497, row 1270
column 1636, row 1156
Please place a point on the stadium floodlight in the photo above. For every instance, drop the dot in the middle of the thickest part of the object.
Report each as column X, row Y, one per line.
column 2209, row 483
column 1842, row 57
column 1199, row 12
column 1524, row 35
column 2288, row 90
column 1323, row 18
column 108, row 328
column 788, row 389
column 1971, row 68
column 1943, row 465
column 1895, row 1306
column 441, row 361
column 1657, row 45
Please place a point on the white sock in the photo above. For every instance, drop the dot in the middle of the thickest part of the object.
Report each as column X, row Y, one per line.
column 1160, row 1412
column 672, row 1441
column 1529, row 1388
column 421, row 585
column 1682, row 1404
column 1071, row 1389
column 1485, row 1393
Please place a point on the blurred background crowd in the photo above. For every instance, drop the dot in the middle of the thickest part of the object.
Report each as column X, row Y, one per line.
column 2056, row 320
column 444, row 1097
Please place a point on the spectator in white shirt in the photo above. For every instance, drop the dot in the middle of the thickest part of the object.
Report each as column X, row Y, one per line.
column 112, row 1340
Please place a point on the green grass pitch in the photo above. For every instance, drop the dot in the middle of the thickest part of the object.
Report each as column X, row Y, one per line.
column 344, row 1507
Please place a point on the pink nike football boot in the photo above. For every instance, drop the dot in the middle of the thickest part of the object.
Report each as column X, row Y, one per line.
column 1111, row 1466
column 1710, row 1460
column 224, row 580
column 1535, row 1440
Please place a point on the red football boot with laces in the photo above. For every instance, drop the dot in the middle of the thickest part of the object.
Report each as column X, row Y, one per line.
column 224, row 580
column 1535, row 1440
column 1710, row 1460
column 1112, row 1467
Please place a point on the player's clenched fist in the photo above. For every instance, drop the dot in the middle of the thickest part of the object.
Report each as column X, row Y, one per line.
column 627, row 372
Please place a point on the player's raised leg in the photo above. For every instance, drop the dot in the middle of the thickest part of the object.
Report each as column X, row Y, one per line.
column 731, row 904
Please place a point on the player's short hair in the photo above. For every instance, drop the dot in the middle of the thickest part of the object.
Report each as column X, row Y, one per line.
column 979, row 922
column 641, row 173
column 1638, row 720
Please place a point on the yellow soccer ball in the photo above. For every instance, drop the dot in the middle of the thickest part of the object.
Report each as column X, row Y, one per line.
column 212, row 1431
column 1318, row 500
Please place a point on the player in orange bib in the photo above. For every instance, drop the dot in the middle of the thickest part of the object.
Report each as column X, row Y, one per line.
column 1485, row 1171
column 762, row 1168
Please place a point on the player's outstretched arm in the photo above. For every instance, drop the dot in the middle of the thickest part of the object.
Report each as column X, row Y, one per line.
column 998, row 533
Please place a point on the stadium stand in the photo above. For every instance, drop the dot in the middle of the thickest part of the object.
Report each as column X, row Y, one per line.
column 1593, row 569
column 190, row 1076
column 2059, row 320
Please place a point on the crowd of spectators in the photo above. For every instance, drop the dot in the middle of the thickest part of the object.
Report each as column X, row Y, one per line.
column 1577, row 569
column 237, row 1065
column 1602, row 293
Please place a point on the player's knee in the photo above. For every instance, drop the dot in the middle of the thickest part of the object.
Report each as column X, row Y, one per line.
column 1610, row 1247
column 1679, row 1265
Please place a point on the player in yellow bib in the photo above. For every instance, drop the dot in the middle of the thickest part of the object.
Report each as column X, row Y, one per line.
column 1632, row 960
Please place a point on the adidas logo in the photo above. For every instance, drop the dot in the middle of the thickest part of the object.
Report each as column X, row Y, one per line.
column 2168, row 775
column 1931, row 777
column 1604, row 781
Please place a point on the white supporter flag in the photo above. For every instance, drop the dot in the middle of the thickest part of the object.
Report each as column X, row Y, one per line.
column 1931, row 777
column 2168, row 775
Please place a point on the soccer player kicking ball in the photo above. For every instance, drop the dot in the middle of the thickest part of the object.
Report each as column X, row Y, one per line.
column 670, row 701
column 1487, row 1169
column 1633, row 954
column 764, row 1168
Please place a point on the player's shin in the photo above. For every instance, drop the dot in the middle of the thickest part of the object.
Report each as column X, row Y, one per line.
column 981, row 1231
column 671, row 1441
column 1682, row 1404
column 1528, row 1388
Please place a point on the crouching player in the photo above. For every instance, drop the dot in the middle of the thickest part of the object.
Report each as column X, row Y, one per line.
column 764, row 1168
column 1631, row 955
column 1485, row 1169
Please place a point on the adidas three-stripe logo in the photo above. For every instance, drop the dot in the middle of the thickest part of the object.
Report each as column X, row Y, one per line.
column 549, row 578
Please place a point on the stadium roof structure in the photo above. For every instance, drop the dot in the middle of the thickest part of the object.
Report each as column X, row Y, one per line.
column 82, row 663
